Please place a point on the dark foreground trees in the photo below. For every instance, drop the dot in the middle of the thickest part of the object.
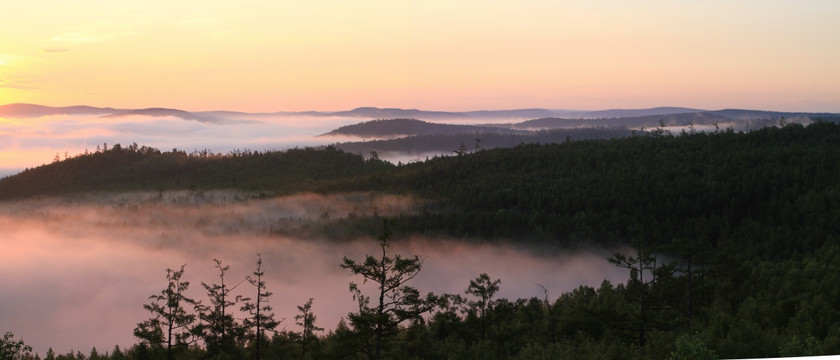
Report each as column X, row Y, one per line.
column 483, row 289
column 395, row 301
column 261, row 317
column 306, row 320
column 783, row 309
column 171, row 323
column 173, row 328
column 11, row 349
column 220, row 331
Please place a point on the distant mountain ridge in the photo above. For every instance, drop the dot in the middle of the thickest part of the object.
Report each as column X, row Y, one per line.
column 33, row 110
column 379, row 113
column 20, row 110
column 623, row 113
column 534, row 113
column 739, row 119
column 163, row 112
column 419, row 138
column 409, row 127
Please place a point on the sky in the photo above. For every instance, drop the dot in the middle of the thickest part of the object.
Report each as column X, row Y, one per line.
column 455, row 55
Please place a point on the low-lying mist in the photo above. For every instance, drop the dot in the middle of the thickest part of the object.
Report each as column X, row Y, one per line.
column 76, row 271
column 35, row 141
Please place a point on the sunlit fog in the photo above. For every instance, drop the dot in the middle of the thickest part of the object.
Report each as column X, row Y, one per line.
column 35, row 141
column 31, row 142
column 77, row 271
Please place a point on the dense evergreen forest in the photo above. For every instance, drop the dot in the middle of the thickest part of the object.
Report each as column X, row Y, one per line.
column 734, row 239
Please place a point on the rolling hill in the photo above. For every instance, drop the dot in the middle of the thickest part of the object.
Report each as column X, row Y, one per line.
column 32, row 110
column 410, row 127
column 162, row 112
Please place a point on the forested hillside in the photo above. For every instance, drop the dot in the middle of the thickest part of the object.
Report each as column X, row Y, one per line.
column 470, row 141
column 406, row 127
column 761, row 188
column 135, row 168
column 734, row 240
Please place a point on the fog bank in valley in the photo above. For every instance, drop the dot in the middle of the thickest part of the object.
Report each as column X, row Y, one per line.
column 76, row 271
column 35, row 141
column 31, row 142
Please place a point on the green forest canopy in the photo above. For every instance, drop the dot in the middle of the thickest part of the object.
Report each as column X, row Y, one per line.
column 751, row 220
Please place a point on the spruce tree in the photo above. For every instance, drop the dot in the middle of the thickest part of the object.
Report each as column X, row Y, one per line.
column 221, row 332
column 261, row 316
column 395, row 303
column 170, row 323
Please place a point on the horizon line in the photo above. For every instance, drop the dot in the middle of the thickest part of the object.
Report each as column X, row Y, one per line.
column 421, row 109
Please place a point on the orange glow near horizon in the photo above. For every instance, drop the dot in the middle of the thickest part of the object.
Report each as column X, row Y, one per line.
column 436, row 55
column 19, row 159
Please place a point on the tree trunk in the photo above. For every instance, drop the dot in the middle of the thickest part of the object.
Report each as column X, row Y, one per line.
column 169, row 336
column 381, row 309
column 641, row 299
column 259, row 320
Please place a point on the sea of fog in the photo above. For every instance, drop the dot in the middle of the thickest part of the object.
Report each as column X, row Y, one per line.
column 32, row 142
column 77, row 271
column 35, row 141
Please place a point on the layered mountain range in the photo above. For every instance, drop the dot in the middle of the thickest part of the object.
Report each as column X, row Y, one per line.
column 33, row 110
column 410, row 134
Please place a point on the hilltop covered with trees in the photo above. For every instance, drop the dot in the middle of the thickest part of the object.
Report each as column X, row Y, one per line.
column 733, row 240
column 118, row 168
